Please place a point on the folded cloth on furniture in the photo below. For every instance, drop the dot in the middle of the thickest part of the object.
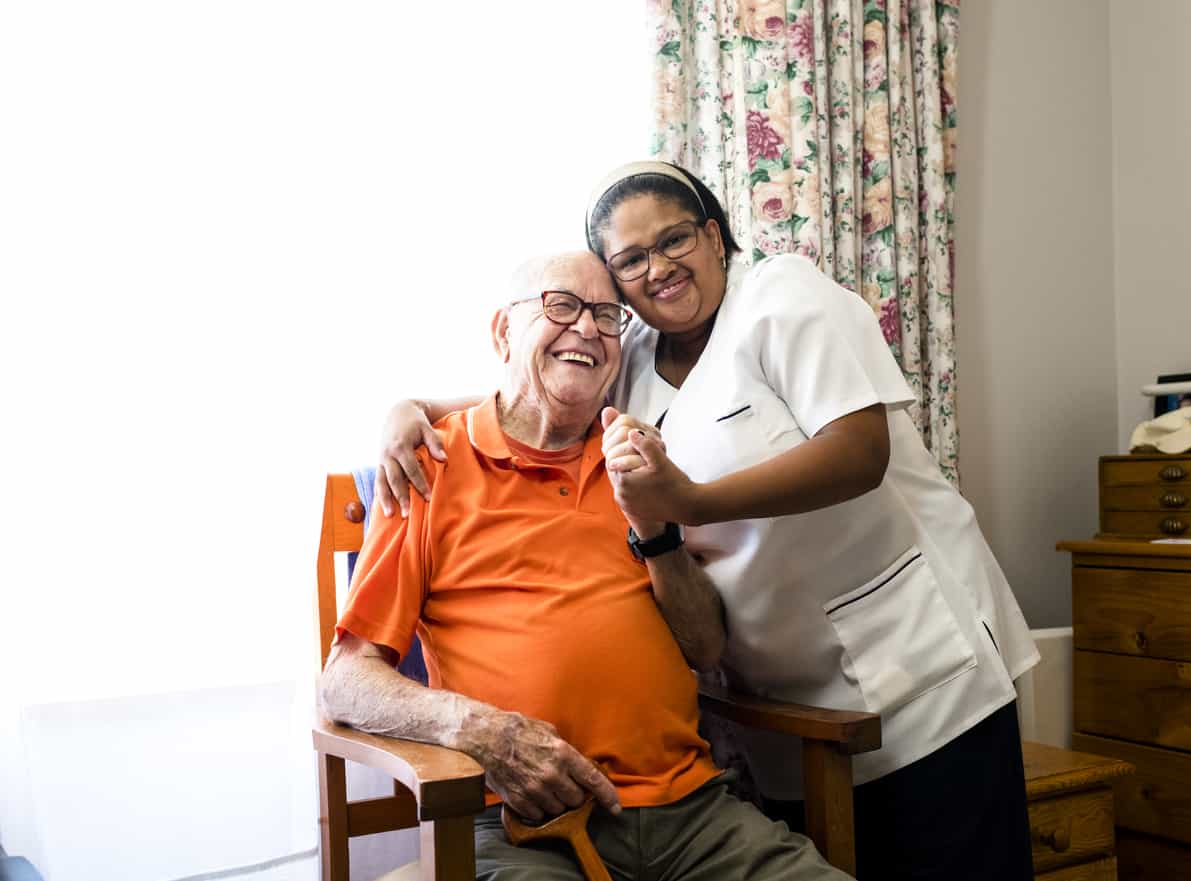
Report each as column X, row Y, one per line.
column 1168, row 433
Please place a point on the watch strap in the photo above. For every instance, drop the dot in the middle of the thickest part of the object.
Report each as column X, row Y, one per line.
column 669, row 539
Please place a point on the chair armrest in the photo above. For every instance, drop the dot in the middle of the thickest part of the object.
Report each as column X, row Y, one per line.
column 444, row 782
column 854, row 732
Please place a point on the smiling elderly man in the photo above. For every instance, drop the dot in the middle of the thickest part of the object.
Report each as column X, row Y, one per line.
column 550, row 656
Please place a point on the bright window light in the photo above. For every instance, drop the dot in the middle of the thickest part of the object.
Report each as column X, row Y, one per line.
column 232, row 233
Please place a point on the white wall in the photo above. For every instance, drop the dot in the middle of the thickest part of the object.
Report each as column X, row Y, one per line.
column 1034, row 294
column 1151, row 101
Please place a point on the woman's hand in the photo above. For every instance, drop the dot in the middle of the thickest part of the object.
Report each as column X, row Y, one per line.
column 406, row 429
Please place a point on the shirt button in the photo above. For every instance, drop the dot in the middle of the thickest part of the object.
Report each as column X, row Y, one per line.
column 562, row 491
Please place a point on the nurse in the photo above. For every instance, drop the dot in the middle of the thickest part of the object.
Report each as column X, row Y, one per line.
column 852, row 574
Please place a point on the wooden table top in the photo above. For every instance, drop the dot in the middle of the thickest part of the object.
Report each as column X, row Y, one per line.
column 1051, row 771
column 1130, row 547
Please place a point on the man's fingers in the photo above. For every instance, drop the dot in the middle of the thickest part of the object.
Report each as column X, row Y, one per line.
column 523, row 807
column 650, row 447
column 599, row 786
column 625, row 462
column 569, row 793
column 548, row 802
column 624, row 448
column 620, row 441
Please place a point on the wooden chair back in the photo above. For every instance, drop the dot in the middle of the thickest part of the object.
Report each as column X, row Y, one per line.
column 342, row 532
column 434, row 788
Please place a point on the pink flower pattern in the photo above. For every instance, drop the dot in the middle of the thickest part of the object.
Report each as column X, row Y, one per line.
column 763, row 141
column 768, row 105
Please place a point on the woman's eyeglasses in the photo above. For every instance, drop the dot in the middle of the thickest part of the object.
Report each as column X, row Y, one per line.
column 678, row 241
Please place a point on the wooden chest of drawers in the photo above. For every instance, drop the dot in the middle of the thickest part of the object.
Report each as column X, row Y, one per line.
column 1071, row 813
column 1131, row 616
column 1145, row 496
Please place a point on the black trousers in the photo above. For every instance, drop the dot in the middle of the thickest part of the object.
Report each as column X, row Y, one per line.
column 958, row 814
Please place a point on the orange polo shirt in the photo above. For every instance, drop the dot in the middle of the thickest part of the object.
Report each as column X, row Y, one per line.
column 519, row 582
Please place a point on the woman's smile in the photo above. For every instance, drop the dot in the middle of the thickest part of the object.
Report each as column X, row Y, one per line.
column 672, row 288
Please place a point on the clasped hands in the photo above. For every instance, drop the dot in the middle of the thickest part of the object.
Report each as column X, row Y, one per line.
column 649, row 488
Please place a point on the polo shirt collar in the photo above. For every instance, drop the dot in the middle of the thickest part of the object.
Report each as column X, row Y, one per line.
column 486, row 435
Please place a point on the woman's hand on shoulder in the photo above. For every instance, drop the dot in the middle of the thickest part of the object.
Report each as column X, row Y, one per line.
column 406, row 430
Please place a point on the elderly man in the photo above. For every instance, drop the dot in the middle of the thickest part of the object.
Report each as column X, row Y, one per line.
column 550, row 647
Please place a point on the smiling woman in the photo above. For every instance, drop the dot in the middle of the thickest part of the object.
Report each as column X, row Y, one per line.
column 204, row 206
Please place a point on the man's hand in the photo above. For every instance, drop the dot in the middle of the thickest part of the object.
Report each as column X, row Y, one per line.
column 619, row 454
column 536, row 772
column 525, row 761
column 654, row 491
column 406, row 429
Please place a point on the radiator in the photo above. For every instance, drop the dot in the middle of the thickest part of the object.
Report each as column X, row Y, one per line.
column 1044, row 693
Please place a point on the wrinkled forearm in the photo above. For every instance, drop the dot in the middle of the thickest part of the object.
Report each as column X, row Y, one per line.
column 360, row 689
column 691, row 606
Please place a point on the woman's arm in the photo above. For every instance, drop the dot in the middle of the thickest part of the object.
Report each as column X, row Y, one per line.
column 408, row 427
column 846, row 459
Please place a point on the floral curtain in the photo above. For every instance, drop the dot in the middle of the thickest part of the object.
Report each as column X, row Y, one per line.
column 827, row 127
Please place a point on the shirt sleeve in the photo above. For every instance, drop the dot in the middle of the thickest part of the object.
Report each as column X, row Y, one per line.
column 390, row 581
column 820, row 345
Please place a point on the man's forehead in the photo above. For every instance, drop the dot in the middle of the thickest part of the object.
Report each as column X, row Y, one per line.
column 588, row 279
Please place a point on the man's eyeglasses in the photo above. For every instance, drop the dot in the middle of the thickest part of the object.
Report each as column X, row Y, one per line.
column 563, row 307
column 678, row 241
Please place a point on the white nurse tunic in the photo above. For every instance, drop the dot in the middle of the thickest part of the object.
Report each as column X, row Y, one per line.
column 890, row 602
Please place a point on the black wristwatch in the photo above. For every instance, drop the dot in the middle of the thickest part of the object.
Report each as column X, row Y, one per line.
column 670, row 539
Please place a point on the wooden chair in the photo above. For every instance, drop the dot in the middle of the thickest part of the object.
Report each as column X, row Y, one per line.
column 441, row 790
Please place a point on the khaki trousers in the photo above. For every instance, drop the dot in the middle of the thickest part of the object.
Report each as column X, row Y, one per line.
column 708, row 836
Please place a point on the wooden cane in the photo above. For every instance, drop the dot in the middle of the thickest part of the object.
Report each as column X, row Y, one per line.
column 572, row 826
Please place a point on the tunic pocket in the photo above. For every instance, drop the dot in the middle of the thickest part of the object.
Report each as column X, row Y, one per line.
column 900, row 637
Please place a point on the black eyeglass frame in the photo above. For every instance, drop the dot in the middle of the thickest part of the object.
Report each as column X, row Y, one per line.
column 656, row 249
column 625, row 319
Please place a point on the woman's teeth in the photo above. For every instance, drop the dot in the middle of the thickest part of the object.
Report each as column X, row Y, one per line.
column 671, row 288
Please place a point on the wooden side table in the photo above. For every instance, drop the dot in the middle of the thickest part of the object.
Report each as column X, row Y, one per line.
column 1071, row 813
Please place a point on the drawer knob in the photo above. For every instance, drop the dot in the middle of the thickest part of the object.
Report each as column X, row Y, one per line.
column 1173, row 526
column 1173, row 500
column 1058, row 839
column 354, row 512
column 1172, row 472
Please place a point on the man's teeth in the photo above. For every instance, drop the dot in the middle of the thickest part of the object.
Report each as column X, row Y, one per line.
column 577, row 356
